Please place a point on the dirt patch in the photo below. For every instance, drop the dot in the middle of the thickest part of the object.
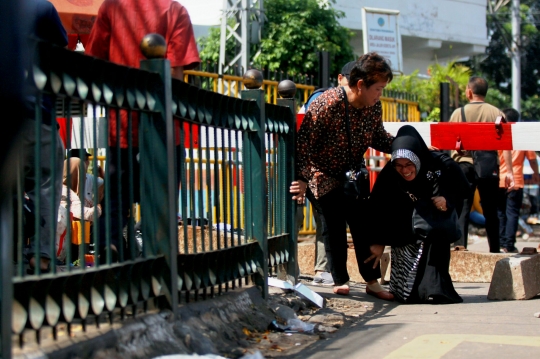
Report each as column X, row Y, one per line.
column 205, row 239
column 322, row 323
column 233, row 324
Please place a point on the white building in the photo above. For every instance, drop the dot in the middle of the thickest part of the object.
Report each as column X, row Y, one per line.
column 431, row 30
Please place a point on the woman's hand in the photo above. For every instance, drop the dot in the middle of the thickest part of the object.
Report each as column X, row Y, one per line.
column 377, row 251
column 298, row 188
column 440, row 203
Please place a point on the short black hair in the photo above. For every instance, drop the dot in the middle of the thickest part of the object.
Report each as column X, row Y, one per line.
column 511, row 114
column 478, row 86
column 79, row 153
column 346, row 70
column 371, row 68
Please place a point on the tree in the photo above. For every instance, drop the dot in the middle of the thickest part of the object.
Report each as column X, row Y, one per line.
column 427, row 91
column 295, row 31
column 497, row 65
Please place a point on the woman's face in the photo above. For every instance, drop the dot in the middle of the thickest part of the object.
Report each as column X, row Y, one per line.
column 405, row 168
column 367, row 96
column 372, row 94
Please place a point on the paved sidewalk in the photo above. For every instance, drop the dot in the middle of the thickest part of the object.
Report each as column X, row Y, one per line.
column 477, row 328
column 480, row 244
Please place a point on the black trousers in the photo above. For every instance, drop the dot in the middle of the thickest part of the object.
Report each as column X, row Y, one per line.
column 340, row 211
column 119, row 209
column 321, row 235
column 488, row 190
column 509, row 208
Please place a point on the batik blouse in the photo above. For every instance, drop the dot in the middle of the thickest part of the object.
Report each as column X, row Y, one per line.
column 323, row 153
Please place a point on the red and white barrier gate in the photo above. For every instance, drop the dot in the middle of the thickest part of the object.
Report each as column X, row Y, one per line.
column 476, row 136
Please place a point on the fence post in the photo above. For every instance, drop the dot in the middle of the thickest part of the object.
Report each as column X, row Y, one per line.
column 159, row 187
column 6, row 275
column 287, row 90
column 255, row 161
column 324, row 69
column 445, row 101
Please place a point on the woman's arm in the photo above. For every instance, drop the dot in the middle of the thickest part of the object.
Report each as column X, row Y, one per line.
column 454, row 185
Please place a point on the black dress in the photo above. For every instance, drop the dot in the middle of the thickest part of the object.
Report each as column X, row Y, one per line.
column 419, row 268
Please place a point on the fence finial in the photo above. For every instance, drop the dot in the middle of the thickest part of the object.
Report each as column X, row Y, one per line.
column 253, row 79
column 286, row 89
column 153, row 46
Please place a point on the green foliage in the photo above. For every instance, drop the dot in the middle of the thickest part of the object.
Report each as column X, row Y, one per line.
column 530, row 108
column 210, row 46
column 427, row 91
column 498, row 98
column 295, row 31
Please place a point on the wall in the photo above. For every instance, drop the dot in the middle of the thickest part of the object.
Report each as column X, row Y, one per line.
column 431, row 30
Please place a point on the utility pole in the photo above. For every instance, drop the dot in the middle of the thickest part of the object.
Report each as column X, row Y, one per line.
column 241, row 22
column 516, row 56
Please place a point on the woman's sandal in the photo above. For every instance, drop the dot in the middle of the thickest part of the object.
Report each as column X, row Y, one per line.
column 342, row 289
column 384, row 294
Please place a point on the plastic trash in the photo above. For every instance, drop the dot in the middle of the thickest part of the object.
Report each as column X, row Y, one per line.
column 256, row 355
column 275, row 326
column 188, row 356
column 300, row 326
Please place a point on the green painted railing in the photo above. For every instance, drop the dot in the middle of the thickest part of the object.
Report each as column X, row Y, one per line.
column 214, row 222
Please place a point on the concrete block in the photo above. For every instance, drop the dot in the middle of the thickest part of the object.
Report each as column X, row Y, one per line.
column 517, row 277
column 465, row 266
column 528, row 250
column 473, row 267
column 306, row 262
column 306, row 257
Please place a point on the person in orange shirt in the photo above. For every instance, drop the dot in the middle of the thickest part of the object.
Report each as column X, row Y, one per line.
column 509, row 202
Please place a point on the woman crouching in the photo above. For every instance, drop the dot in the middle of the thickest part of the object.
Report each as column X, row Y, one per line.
column 420, row 257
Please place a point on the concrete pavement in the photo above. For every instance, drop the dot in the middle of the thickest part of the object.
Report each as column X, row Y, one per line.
column 480, row 244
column 476, row 328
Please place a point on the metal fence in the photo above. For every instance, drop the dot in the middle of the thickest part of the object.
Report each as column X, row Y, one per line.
column 195, row 204
column 397, row 107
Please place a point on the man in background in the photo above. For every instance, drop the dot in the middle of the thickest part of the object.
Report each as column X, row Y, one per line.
column 482, row 175
column 510, row 201
column 45, row 25
column 116, row 36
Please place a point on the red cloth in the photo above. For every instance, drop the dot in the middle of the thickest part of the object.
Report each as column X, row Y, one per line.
column 62, row 129
column 118, row 31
